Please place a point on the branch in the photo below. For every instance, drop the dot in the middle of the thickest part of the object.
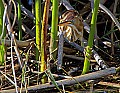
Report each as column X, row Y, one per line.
column 70, row 81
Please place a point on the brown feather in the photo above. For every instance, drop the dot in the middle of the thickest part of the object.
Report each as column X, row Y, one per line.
column 71, row 25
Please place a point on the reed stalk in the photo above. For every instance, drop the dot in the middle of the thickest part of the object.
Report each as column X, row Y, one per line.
column 88, row 50
column 38, row 27
column 24, row 72
column 2, row 53
column 1, row 15
column 19, row 20
column 2, row 47
column 43, row 39
column 54, row 29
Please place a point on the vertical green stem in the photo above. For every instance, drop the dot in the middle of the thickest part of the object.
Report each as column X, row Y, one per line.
column 2, row 53
column 91, row 37
column 1, row 15
column 2, row 47
column 43, row 38
column 38, row 26
column 24, row 71
column 19, row 20
column 54, row 30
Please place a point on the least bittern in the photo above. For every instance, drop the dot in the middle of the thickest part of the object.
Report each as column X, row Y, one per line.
column 71, row 25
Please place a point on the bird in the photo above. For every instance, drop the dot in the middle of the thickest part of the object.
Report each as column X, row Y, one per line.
column 71, row 25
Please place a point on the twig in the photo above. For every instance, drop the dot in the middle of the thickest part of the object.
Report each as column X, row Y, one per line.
column 19, row 43
column 62, row 76
column 11, row 32
column 24, row 27
column 7, row 78
column 60, row 51
column 13, row 67
column 13, row 38
column 26, row 11
column 111, row 15
column 73, row 57
column 67, row 5
column 109, row 84
column 112, row 25
column 98, row 59
column 82, row 78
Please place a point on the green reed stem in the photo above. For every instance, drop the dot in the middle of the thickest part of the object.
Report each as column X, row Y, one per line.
column 2, row 47
column 2, row 53
column 19, row 20
column 1, row 15
column 38, row 26
column 54, row 30
column 91, row 37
